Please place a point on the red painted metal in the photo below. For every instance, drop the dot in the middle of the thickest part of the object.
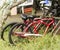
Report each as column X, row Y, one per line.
column 36, row 22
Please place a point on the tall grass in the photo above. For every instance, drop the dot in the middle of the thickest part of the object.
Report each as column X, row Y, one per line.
column 36, row 43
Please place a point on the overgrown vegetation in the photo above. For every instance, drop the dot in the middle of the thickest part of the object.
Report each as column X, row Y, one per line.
column 36, row 43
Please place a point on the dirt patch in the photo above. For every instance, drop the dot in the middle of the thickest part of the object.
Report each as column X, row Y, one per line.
column 14, row 18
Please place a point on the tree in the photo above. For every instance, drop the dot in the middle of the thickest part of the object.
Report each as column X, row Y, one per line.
column 5, row 7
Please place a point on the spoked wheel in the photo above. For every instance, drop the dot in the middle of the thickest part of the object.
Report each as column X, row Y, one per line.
column 5, row 31
column 16, row 33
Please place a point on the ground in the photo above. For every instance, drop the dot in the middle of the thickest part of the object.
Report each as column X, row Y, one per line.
column 17, row 18
column 13, row 18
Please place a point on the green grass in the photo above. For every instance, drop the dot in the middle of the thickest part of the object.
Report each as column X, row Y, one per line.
column 36, row 43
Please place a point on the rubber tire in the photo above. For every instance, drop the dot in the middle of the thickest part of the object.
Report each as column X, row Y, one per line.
column 2, row 33
column 10, row 33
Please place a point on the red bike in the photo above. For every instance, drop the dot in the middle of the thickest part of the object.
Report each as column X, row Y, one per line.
column 32, row 28
column 26, row 20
